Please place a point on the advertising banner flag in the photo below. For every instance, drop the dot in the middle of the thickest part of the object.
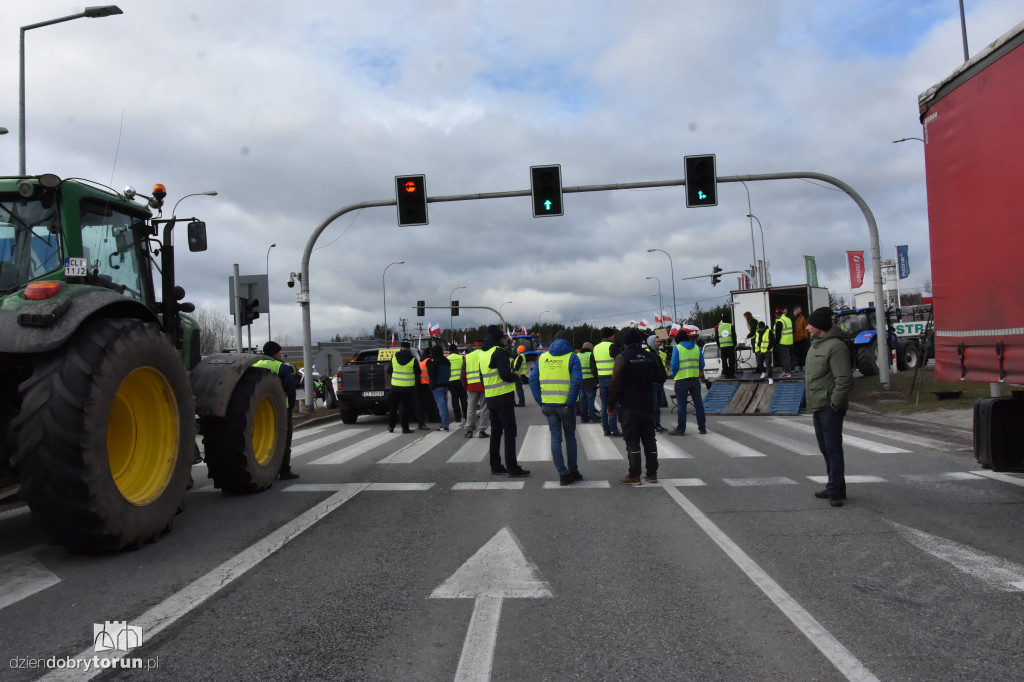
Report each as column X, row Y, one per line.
column 903, row 261
column 811, row 267
column 856, row 262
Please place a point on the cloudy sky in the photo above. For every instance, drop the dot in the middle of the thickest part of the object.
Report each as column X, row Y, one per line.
column 291, row 111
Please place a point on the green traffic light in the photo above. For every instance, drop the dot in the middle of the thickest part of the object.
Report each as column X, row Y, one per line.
column 701, row 195
column 547, row 205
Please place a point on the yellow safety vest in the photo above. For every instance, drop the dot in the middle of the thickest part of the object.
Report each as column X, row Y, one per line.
column 726, row 338
column 519, row 364
column 786, row 338
column 553, row 372
column 603, row 359
column 689, row 362
column 275, row 367
column 666, row 357
column 403, row 375
column 494, row 385
column 473, row 367
column 456, row 361
column 585, row 362
column 763, row 340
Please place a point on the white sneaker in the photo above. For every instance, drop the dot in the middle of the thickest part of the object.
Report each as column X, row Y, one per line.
column 764, row 375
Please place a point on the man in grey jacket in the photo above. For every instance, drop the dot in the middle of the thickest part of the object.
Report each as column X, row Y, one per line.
column 828, row 378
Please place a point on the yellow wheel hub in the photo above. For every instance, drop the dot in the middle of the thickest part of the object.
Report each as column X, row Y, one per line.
column 264, row 431
column 142, row 436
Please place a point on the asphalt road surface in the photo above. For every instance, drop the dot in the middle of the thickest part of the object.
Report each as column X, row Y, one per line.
column 400, row 557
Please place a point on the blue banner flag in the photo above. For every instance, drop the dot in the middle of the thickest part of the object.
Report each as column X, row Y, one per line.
column 903, row 261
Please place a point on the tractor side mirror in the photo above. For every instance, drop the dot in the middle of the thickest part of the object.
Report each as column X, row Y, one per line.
column 197, row 236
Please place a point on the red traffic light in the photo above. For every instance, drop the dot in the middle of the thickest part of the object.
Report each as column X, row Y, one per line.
column 410, row 186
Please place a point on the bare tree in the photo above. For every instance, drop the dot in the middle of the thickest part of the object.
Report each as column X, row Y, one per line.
column 215, row 331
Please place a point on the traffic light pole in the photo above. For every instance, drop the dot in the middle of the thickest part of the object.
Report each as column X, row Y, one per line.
column 876, row 259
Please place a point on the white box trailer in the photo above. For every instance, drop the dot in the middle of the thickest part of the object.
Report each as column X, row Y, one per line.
column 761, row 303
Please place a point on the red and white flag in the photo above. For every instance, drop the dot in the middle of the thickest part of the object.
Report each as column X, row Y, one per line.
column 392, row 340
column 657, row 319
column 435, row 330
column 632, row 323
column 508, row 334
column 665, row 316
column 856, row 261
column 643, row 324
column 524, row 332
column 674, row 330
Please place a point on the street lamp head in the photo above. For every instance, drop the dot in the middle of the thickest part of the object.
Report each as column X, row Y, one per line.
column 210, row 193
column 102, row 11
column 651, row 250
column 3, row 131
column 273, row 245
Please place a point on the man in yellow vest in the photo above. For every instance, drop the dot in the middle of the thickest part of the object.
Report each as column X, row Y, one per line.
column 555, row 383
column 725, row 335
column 519, row 367
column 455, row 385
column 500, row 393
column 604, row 360
column 764, row 344
column 477, row 404
column 403, row 371
column 283, row 371
column 688, row 372
column 784, row 340
column 588, row 389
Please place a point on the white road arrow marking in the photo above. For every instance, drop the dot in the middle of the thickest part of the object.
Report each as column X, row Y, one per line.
column 22, row 575
column 497, row 571
column 996, row 571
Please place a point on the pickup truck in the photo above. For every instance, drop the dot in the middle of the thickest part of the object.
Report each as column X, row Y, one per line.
column 364, row 385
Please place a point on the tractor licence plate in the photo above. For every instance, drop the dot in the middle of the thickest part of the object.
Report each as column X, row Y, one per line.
column 373, row 394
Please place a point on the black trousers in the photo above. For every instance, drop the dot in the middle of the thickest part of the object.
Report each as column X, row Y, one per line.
column 503, row 424
column 459, row 400
column 286, row 463
column 401, row 398
column 728, row 362
column 638, row 427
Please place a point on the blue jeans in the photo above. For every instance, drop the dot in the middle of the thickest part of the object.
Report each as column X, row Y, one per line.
column 828, row 428
column 441, row 398
column 609, row 425
column 561, row 418
column 689, row 387
column 587, row 409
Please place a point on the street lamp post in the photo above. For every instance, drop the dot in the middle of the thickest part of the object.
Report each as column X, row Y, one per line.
column 672, row 271
column 91, row 13
column 383, row 286
column 660, row 301
column 451, row 318
column 764, row 257
column 538, row 320
column 502, row 306
column 269, row 337
column 168, row 305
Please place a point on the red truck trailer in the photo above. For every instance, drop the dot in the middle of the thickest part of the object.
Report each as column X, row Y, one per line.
column 974, row 161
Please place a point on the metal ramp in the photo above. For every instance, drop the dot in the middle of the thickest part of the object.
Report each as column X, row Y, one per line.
column 747, row 397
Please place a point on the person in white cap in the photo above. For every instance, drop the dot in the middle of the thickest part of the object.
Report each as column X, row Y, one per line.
column 688, row 372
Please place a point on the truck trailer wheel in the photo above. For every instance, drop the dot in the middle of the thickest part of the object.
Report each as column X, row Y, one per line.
column 908, row 355
column 105, row 436
column 244, row 449
column 867, row 358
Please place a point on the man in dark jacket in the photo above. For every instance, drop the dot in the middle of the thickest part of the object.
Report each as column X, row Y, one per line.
column 636, row 369
column 828, row 380
column 272, row 349
column 500, row 393
column 439, row 373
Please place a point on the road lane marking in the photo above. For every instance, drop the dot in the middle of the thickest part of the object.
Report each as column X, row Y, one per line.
column 851, row 479
column 597, row 446
column 473, row 451
column 667, row 449
column 729, row 446
column 844, row 661
column 17, row 511
column 490, row 485
column 22, row 575
column 397, row 487
column 416, row 449
column 536, row 445
column 170, row 610
column 899, row 436
column 808, row 447
column 948, row 476
column 774, row 480
column 996, row 476
column 992, row 570
column 497, row 571
column 578, row 484
column 682, row 482
column 324, row 441
column 848, row 440
column 356, row 449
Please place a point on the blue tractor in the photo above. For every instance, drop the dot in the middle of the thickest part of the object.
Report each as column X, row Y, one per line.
column 861, row 336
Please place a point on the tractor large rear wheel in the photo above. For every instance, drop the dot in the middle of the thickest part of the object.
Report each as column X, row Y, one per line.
column 105, row 435
column 245, row 448
column 867, row 358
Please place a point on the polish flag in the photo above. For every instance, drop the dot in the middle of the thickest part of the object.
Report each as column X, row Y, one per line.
column 643, row 323
column 665, row 316
column 524, row 332
column 508, row 334
column 392, row 340
column 657, row 319
column 435, row 330
column 674, row 330
column 632, row 323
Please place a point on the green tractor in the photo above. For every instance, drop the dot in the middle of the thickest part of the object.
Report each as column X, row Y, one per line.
column 102, row 388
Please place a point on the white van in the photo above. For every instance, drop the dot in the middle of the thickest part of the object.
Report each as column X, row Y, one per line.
column 745, row 360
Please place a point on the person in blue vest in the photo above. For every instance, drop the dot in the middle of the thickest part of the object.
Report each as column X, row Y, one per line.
column 283, row 371
column 555, row 382
column 688, row 372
